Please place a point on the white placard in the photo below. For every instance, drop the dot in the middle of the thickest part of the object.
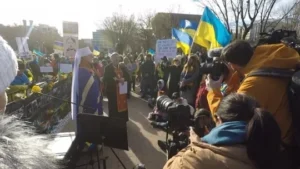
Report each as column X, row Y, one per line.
column 70, row 39
column 65, row 68
column 46, row 69
column 165, row 47
column 23, row 48
column 70, row 46
column 123, row 88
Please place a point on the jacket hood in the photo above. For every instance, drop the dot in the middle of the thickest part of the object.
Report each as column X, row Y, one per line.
column 276, row 56
column 235, row 152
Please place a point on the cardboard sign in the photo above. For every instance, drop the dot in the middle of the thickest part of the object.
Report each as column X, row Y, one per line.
column 165, row 47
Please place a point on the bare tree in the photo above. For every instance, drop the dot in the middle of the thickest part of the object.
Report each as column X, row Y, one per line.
column 286, row 14
column 292, row 19
column 120, row 29
column 245, row 12
column 249, row 10
column 237, row 13
column 146, row 38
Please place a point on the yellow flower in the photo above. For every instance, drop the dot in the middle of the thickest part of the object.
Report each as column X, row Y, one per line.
column 36, row 89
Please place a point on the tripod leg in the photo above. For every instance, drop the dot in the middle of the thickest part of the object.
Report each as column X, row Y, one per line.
column 118, row 158
column 104, row 163
column 98, row 161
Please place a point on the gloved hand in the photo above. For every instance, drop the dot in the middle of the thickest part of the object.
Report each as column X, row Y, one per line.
column 212, row 84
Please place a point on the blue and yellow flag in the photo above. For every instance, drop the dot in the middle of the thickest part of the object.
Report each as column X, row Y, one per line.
column 183, row 40
column 58, row 45
column 211, row 32
column 189, row 27
column 96, row 51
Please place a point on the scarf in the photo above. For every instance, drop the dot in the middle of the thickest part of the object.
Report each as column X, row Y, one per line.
column 228, row 133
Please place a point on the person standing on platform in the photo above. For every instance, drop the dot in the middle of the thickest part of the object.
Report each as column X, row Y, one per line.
column 86, row 92
column 114, row 75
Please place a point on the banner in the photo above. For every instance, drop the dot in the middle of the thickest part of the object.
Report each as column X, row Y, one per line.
column 23, row 48
column 70, row 43
column 165, row 47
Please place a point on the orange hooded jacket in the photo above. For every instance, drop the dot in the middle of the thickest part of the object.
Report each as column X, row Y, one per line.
column 269, row 92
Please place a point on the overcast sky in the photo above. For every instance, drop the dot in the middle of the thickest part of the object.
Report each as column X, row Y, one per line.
column 88, row 13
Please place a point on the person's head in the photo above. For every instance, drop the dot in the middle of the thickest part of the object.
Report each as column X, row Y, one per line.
column 237, row 54
column 176, row 62
column 56, row 57
column 183, row 60
column 176, row 97
column 192, row 60
column 34, row 57
column 126, row 60
column 141, row 57
column 263, row 135
column 160, row 84
column 8, row 70
column 121, row 59
column 86, row 56
column 114, row 59
column 21, row 67
column 88, row 59
column 164, row 59
column 148, row 57
column 71, row 42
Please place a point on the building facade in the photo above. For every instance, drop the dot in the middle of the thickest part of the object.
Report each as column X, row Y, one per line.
column 100, row 41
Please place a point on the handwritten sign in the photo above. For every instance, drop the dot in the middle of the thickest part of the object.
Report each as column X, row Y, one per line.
column 165, row 47
column 65, row 68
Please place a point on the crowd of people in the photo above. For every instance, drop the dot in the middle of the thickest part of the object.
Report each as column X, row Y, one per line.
column 249, row 117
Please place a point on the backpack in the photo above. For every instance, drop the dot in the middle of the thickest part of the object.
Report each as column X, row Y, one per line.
column 293, row 91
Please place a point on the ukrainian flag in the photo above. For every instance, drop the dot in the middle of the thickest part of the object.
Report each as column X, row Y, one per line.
column 58, row 45
column 189, row 27
column 96, row 51
column 211, row 32
column 183, row 40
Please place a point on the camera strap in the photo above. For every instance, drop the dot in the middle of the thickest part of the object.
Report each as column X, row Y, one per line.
column 272, row 72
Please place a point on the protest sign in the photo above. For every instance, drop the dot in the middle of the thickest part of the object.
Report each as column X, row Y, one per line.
column 65, row 68
column 70, row 43
column 23, row 48
column 165, row 47
column 46, row 69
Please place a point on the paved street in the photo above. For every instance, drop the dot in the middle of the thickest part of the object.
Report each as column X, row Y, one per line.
column 142, row 139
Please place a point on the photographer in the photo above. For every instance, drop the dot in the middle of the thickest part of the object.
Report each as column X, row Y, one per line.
column 270, row 92
column 246, row 137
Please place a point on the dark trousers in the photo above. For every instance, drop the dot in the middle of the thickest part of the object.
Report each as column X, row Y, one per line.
column 133, row 82
column 147, row 86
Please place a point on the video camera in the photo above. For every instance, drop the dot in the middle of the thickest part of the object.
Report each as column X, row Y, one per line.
column 179, row 115
column 180, row 120
column 217, row 67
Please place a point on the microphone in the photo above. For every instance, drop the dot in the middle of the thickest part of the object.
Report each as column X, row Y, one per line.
column 36, row 89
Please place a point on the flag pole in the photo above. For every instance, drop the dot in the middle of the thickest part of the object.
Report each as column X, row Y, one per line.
column 193, row 41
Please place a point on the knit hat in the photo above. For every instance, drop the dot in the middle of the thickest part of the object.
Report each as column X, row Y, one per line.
column 8, row 65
